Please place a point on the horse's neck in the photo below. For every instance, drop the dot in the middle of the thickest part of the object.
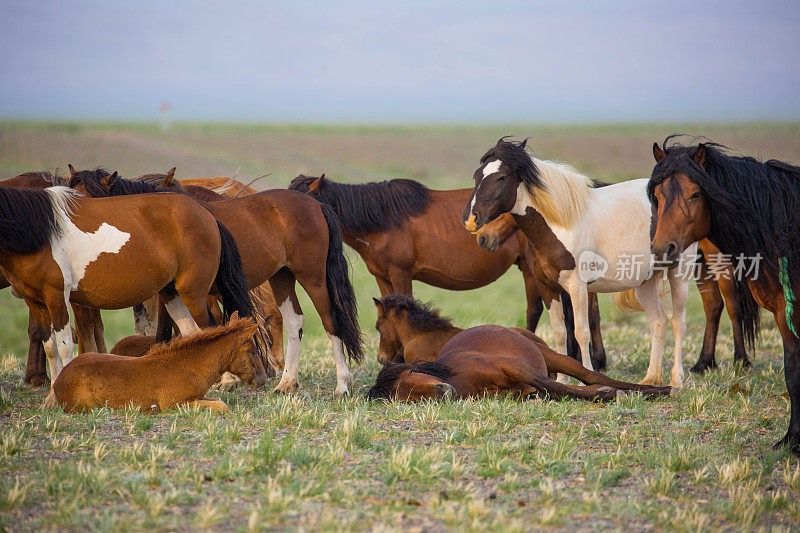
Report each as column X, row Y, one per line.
column 563, row 201
column 207, row 362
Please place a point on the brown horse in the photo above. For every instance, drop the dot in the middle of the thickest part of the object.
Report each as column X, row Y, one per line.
column 283, row 237
column 57, row 247
column 748, row 209
column 404, row 231
column 178, row 373
column 493, row 360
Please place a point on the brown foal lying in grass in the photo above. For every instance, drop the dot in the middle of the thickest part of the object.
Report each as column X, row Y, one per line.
column 176, row 373
column 484, row 360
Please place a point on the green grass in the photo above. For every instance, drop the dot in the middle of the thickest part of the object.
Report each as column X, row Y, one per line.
column 700, row 461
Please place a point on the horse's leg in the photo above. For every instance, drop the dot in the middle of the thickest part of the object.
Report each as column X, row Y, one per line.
column 712, row 305
column 38, row 333
column 791, row 371
column 188, row 311
column 647, row 296
column 384, row 286
column 563, row 364
column 596, row 343
column 283, row 287
column 99, row 331
column 164, row 321
column 580, row 306
column 318, row 292
column 145, row 316
column 535, row 307
column 541, row 387
column 213, row 405
column 56, row 304
column 84, row 323
column 733, row 305
column 556, row 313
column 401, row 281
column 679, row 286
column 573, row 348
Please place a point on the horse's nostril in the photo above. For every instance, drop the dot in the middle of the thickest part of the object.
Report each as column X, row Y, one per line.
column 671, row 248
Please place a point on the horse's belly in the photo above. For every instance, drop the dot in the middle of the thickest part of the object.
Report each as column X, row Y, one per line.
column 462, row 275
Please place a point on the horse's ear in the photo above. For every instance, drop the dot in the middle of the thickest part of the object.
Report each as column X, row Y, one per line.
column 700, row 156
column 314, row 185
column 234, row 316
column 108, row 181
column 658, row 153
column 71, row 169
column 523, row 143
column 378, row 304
column 170, row 177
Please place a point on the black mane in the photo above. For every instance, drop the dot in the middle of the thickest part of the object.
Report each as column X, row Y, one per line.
column 369, row 207
column 753, row 209
column 384, row 387
column 514, row 155
column 420, row 316
column 27, row 220
column 90, row 179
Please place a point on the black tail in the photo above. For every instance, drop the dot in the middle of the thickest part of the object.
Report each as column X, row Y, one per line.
column 344, row 312
column 231, row 281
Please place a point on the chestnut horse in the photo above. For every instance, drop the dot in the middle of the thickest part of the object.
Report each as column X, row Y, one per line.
column 404, row 231
column 583, row 239
column 748, row 209
column 493, row 360
column 178, row 373
column 57, row 247
column 283, row 236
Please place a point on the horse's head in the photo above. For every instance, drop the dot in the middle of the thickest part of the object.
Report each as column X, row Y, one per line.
column 310, row 185
column 410, row 382
column 681, row 213
column 247, row 361
column 504, row 169
column 390, row 348
column 165, row 181
column 95, row 183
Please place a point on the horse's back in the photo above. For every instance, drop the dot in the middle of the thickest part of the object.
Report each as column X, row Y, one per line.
column 493, row 342
column 94, row 380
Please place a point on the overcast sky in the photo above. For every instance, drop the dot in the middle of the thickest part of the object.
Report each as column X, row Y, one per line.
column 410, row 61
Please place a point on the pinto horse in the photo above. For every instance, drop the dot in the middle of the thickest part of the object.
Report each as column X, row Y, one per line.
column 404, row 231
column 582, row 239
column 57, row 247
column 747, row 209
column 178, row 373
column 493, row 360
column 283, row 237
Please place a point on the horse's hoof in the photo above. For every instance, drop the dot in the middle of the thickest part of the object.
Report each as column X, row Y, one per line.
column 286, row 388
column 651, row 380
column 599, row 364
column 621, row 394
column 744, row 364
column 677, row 381
column 701, row 366
column 673, row 392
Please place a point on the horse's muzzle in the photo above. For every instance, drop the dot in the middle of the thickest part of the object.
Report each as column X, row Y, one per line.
column 445, row 390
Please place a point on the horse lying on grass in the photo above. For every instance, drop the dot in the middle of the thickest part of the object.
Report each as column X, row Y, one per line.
column 484, row 360
column 177, row 373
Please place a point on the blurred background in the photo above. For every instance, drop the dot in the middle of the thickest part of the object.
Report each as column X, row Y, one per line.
column 364, row 91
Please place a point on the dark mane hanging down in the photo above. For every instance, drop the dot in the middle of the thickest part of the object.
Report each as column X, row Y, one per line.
column 384, row 387
column 753, row 210
column 27, row 220
column 420, row 315
column 368, row 207
column 514, row 155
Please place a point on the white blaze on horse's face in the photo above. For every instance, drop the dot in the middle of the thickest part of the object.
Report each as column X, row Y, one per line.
column 489, row 168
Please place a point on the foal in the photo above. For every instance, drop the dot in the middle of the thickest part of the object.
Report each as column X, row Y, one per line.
column 493, row 360
column 178, row 373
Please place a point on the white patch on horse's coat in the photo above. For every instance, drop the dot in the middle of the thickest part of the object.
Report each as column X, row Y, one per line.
column 491, row 167
column 344, row 379
column 523, row 200
column 293, row 323
column 63, row 348
column 181, row 315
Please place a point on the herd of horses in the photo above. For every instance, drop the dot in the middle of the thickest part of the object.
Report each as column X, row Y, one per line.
column 218, row 263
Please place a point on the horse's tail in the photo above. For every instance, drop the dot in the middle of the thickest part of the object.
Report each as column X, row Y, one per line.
column 344, row 312
column 231, row 280
column 627, row 302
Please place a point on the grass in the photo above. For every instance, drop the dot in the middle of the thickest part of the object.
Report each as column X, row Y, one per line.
column 700, row 461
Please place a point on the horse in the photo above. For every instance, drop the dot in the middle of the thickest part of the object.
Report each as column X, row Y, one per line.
column 57, row 247
column 404, row 231
column 582, row 239
column 411, row 331
column 748, row 209
column 35, row 368
column 284, row 236
column 178, row 373
column 714, row 282
column 492, row 360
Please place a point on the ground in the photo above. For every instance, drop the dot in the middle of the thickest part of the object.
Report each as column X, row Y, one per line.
column 702, row 460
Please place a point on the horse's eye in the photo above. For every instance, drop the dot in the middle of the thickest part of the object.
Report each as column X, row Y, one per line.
column 501, row 177
column 695, row 196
